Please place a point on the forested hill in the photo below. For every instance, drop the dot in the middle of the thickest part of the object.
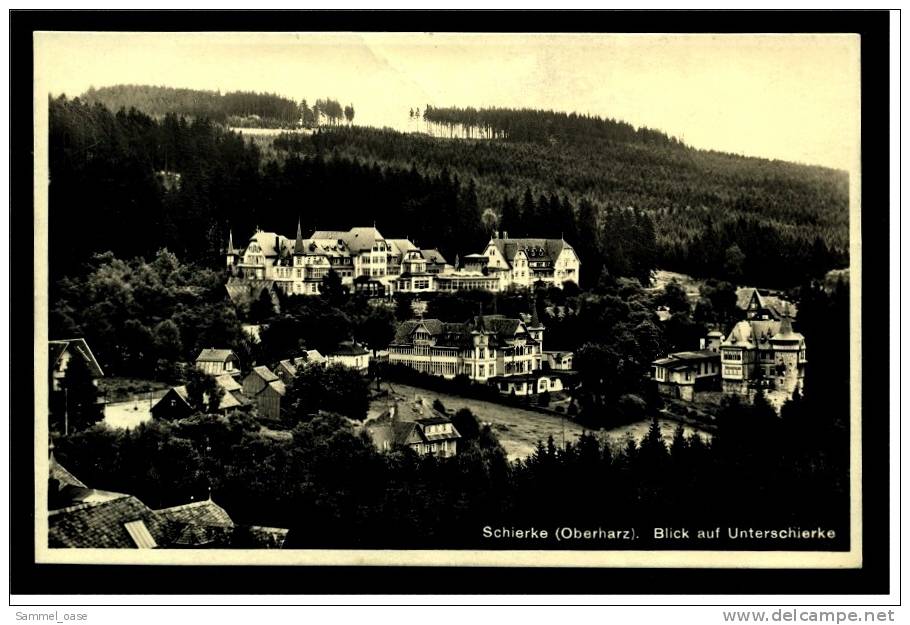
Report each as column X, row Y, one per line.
column 539, row 126
column 158, row 101
column 713, row 212
column 181, row 182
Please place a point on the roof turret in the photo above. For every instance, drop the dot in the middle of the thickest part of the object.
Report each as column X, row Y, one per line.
column 230, row 248
column 298, row 244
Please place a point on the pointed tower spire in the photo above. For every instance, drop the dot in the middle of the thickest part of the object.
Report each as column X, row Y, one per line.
column 230, row 250
column 480, row 326
column 298, row 245
column 535, row 318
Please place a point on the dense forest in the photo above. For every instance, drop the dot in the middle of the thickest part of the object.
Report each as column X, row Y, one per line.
column 626, row 206
column 549, row 127
column 182, row 185
column 756, row 221
column 235, row 108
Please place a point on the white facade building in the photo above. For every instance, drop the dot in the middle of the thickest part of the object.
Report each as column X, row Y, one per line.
column 297, row 266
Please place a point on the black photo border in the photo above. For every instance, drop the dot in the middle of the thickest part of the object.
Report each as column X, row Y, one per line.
column 29, row 578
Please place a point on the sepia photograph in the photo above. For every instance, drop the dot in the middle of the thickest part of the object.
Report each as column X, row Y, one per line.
column 448, row 299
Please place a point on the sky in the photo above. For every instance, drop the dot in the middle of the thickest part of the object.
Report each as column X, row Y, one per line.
column 789, row 97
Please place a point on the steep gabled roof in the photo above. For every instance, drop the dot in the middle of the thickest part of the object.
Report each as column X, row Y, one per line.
column 776, row 305
column 75, row 346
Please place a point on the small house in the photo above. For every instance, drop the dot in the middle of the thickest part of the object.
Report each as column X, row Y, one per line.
column 287, row 369
column 681, row 374
column 218, row 361
column 350, row 354
column 175, row 404
column 416, row 426
column 265, row 390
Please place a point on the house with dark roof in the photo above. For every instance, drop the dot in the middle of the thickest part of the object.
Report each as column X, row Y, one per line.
column 287, row 369
column 266, row 390
column 484, row 347
column 218, row 361
column 81, row 518
column 764, row 305
column 60, row 352
column 415, row 425
column 525, row 262
column 349, row 354
column 175, row 403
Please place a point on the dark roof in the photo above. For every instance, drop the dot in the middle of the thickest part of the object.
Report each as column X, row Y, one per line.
column 433, row 421
column 103, row 525
column 434, row 256
column 549, row 249
column 348, row 348
column 59, row 347
column 768, row 301
column 215, row 355
column 198, row 512
column 458, row 334
column 355, row 239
